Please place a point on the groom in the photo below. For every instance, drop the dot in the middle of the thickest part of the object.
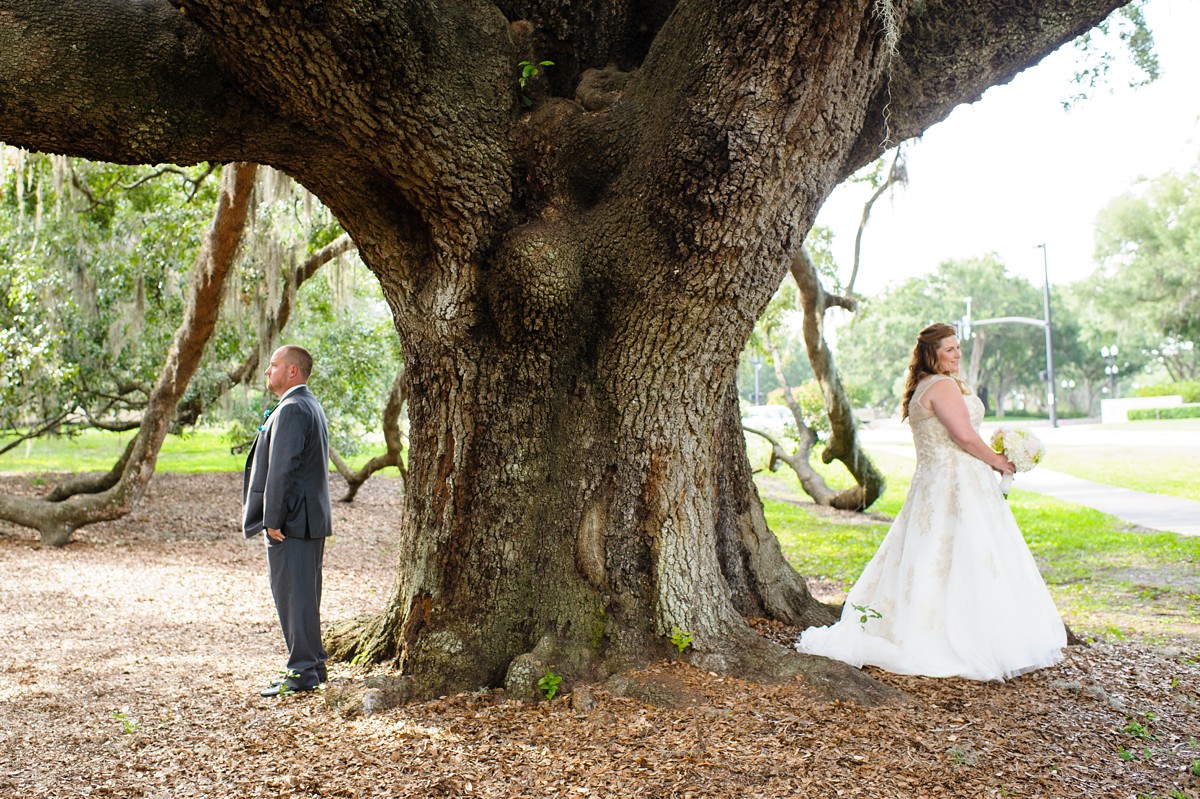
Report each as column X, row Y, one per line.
column 286, row 492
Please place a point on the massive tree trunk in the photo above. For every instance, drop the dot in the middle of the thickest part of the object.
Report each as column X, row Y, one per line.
column 572, row 284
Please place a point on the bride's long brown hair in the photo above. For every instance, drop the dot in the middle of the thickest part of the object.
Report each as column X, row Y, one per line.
column 924, row 361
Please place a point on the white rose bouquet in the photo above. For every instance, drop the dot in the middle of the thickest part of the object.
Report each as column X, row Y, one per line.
column 1021, row 447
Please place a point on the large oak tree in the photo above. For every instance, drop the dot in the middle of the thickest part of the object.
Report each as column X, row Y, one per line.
column 572, row 281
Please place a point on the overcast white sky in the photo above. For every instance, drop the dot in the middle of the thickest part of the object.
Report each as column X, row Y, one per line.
column 1015, row 170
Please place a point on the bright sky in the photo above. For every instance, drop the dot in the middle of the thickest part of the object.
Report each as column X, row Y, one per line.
column 1015, row 170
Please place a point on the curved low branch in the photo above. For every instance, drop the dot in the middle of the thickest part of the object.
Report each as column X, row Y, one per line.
column 843, row 443
column 392, row 438
column 810, row 479
column 91, row 483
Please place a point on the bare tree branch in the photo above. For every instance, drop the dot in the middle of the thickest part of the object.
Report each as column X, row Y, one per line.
column 897, row 174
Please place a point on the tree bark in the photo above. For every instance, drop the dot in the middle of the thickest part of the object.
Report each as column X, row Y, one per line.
column 571, row 284
column 56, row 516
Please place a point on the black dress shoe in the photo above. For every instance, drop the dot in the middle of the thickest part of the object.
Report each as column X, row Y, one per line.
column 282, row 688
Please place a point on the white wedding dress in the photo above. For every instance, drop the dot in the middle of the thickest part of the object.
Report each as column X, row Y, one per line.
column 954, row 585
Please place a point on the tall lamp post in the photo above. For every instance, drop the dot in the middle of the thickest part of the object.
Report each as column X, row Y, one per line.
column 1049, row 345
column 757, row 362
column 1110, row 360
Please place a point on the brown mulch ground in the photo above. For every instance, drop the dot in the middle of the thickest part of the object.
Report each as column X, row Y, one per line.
column 134, row 656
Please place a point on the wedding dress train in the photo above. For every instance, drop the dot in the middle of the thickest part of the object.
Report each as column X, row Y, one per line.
column 953, row 589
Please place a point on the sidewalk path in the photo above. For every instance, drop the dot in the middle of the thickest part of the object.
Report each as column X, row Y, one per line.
column 1153, row 511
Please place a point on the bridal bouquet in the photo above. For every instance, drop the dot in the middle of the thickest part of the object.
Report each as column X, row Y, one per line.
column 1021, row 447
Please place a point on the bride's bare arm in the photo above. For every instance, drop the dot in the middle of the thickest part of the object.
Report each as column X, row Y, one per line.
column 946, row 402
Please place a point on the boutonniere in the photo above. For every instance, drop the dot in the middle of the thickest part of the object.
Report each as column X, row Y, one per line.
column 266, row 415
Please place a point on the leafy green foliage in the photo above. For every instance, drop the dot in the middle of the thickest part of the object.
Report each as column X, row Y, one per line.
column 93, row 264
column 874, row 349
column 1124, row 30
column 682, row 639
column 1174, row 412
column 1148, row 244
column 529, row 71
column 1188, row 389
column 549, row 682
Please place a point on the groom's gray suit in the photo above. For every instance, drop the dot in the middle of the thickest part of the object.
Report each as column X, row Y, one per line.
column 286, row 488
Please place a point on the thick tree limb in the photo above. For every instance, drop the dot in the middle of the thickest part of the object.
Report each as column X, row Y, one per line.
column 950, row 51
column 138, row 83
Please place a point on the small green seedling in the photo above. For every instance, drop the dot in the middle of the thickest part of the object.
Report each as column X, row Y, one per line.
column 866, row 612
column 682, row 639
column 548, row 684
column 529, row 70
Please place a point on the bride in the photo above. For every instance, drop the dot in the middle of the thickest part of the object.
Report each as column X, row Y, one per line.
column 953, row 589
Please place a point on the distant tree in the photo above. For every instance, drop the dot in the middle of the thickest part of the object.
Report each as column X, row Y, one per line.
column 875, row 348
column 95, row 498
column 1148, row 284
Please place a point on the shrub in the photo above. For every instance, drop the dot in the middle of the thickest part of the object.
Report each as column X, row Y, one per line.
column 1175, row 412
column 1188, row 389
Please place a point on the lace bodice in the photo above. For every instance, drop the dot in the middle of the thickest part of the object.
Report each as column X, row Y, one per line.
column 930, row 437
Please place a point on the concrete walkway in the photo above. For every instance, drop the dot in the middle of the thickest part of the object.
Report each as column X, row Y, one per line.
column 1152, row 511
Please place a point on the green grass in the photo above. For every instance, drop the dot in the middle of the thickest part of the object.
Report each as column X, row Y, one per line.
column 203, row 450
column 1107, row 580
column 1158, row 470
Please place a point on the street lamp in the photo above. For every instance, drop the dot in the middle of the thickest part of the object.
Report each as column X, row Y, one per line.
column 1049, row 346
column 757, row 362
column 1111, row 369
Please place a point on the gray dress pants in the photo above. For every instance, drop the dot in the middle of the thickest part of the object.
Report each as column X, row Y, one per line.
column 295, row 570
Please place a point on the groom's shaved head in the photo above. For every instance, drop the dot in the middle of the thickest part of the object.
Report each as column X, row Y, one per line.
column 299, row 357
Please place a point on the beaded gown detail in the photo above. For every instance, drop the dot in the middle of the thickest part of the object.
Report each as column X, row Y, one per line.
column 954, row 585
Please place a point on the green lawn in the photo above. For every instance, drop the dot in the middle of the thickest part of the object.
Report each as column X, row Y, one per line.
column 204, row 450
column 1107, row 580
column 1157, row 470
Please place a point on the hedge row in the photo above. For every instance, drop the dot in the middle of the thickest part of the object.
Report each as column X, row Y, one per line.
column 1175, row 412
column 1189, row 389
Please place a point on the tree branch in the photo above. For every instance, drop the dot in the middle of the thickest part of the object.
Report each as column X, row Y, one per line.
column 392, row 438
column 127, row 82
column 949, row 52
column 843, row 443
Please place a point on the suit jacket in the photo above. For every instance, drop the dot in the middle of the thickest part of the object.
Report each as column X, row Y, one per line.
column 286, row 483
